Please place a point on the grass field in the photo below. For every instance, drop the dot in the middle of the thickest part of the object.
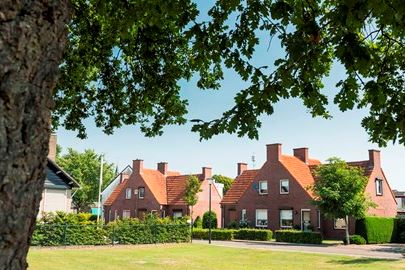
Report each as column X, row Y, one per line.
column 188, row 256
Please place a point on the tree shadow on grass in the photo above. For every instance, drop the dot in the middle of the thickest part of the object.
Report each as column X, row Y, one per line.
column 362, row 261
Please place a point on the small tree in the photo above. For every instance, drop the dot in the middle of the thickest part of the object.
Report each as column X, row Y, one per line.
column 225, row 180
column 191, row 197
column 206, row 220
column 339, row 191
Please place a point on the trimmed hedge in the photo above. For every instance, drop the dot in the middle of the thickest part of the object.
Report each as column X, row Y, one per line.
column 295, row 236
column 206, row 220
column 376, row 230
column 356, row 240
column 70, row 229
column 216, row 234
column 254, row 234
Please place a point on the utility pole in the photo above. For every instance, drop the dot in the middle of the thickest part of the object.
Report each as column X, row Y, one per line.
column 100, row 183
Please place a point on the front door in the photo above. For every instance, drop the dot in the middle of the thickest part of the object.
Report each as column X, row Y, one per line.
column 305, row 219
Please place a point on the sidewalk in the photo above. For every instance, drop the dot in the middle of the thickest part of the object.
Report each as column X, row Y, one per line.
column 383, row 251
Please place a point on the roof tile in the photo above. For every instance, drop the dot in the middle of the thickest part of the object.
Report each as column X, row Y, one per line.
column 239, row 186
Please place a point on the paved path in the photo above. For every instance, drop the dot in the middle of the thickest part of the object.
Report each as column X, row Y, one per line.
column 385, row 251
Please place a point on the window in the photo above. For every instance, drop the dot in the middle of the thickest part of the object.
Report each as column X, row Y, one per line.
column 319, row 218
column 339, row 224
column 243, row 216
column 286, row 218
column 261, row 217
column 177, row 213
column 284, row 186
column 126, row 214
column 379, row 186
column 263, row 187
column 128, row 193
column 141, row 192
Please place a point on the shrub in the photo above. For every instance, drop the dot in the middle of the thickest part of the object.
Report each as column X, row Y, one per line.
column 377, row 229
column 197, row 222
column 244, row 224
column 295, row 236
column 254, row 234
column 356, row 240
column 400, row 228
column 401, row 238
column 206, row 220
column 233, row 225
column 216, row 234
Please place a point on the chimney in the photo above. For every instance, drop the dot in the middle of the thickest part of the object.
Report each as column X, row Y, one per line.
column 124, row 176
column 302, row 154
column 273, row 152
column 206, row 172
column 162, row 167
column 374, row 158
column 137, row 166
column 241, row 168
column 52, row 147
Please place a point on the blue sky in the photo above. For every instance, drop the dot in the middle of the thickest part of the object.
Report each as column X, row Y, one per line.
column 291, row 125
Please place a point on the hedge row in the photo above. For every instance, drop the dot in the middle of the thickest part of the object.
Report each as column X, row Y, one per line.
column 295, row 236
column 377, row 230
column 70, row 229
column 227, row 234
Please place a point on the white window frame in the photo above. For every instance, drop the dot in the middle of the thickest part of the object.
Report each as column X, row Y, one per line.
column 128, row 193
column 379, row 191
column 177, row 211
column 267, row 218
column 126, row 214
column 260, row 188
column 292, row 219
column 141, row 193
column 318, row 213
column 243, row 215
column 339, row 228
column 288, row 186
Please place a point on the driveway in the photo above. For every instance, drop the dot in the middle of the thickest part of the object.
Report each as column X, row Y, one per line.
column 384, row 251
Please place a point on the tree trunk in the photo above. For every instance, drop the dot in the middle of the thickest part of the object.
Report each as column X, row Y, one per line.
column 33, row 36
column 347, row 230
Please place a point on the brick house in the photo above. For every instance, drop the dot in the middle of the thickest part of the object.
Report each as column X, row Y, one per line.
column 276, row 196
column 159, row 191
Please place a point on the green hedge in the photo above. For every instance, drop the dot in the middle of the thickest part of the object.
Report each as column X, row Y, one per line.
column 377, row 230
column 295, row 236
column 69, row 229
column 206, row 220
column 216, row 234
column 356, row 240
column 254, row 234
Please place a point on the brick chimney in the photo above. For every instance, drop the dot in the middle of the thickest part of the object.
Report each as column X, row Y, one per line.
column 273, row 152
column 241, row 168
column 124, row 176
column 374, row 158
column 163, row 167
column 302, row 154
column 52, row 147
column 206, row 172
column 137, row 166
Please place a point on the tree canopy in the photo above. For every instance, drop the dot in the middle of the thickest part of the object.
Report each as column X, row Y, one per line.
column 339, row 190
column 192, row 188
column 125, row 59
column 225, row 180
column 85, row 168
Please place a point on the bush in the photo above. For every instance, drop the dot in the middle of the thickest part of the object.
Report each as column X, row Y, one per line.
column 254, row 234
column 197, row 223
column 216, row 234
column 377, row 230
column 356, row 240
column 206, row 220
column 77, row 229
column 295, row 236
column 233, row 225
column 400, row 228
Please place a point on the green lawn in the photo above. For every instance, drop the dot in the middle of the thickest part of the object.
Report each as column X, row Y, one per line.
column 188, row 256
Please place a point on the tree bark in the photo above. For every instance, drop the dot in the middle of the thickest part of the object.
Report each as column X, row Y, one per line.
column 347, row 230
column 33, row 36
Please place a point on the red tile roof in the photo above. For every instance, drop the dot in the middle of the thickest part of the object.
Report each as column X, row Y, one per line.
column 365, row 165
column 176, row 188
column 300, row 171
column 239, row 186
column 114, row 195
column 156, row 182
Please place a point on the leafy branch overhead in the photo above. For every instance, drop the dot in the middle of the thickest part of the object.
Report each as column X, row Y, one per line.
column 125, row 59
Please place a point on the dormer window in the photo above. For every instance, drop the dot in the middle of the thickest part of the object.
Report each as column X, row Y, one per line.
column 378, row 187
column 263, row 187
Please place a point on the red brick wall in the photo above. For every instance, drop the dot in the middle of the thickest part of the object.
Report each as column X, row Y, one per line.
column 297, row 199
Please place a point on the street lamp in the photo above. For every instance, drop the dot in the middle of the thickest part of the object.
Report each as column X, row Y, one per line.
column 209, row 210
